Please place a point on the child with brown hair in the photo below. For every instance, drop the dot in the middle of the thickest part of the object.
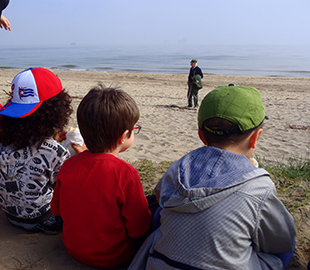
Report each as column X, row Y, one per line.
column 29, row 158
column 99, row 196
column 218, row 210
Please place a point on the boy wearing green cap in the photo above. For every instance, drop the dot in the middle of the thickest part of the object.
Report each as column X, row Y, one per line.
column 218, row 210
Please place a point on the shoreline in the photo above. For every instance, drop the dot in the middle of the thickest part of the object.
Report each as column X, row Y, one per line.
column 71, row 68
column 169, row 128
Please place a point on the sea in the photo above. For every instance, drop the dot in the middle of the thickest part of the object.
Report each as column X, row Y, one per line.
column 245, row 60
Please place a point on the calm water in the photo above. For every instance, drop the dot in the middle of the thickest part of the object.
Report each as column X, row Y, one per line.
column 293, row 61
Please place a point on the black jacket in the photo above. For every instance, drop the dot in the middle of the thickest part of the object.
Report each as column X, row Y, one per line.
column 194, row 71
column 3, row 5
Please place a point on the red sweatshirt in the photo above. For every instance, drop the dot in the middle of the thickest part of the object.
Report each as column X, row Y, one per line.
column 101, row 201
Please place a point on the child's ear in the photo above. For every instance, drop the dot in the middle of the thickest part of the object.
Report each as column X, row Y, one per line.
column 254, row 138
column 200, row 133
column 123, row 137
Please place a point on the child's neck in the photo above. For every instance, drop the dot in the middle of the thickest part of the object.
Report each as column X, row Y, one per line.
column 248, row 152
column 115, row 151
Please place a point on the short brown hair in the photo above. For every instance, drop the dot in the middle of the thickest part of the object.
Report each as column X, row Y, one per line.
column 104, row 115
column 216, row 123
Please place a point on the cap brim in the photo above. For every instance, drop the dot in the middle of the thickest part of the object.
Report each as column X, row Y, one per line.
column 16, row 110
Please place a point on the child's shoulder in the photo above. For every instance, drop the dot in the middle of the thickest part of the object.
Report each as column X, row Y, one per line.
column 126, row 170
column 53, row 147
column 124, row 165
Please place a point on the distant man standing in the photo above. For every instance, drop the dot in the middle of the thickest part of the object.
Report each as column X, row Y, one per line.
column 194, row 83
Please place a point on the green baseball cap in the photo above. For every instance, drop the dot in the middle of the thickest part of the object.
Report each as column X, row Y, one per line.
column 194, row 61
column 241, row 105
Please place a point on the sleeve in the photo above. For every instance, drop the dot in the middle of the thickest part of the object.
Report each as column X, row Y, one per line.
column 275, row 226
column 135, row 209
column 55, row 199
column 157, row 189
column 3, row 5
column 200, row 73
column 62, row 155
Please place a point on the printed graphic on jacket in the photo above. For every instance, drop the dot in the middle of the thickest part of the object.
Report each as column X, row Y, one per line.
column 28, row 177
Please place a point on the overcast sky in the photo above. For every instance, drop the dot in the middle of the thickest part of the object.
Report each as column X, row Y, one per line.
column 136, row 22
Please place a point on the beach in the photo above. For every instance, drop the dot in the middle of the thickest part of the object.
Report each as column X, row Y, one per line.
column 169, row 128
column 169, row 131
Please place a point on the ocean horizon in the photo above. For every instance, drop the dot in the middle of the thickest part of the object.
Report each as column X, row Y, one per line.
column 284, row 61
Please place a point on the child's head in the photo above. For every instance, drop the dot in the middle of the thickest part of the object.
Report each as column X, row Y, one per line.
column 228, row 115
column 104, row 115
column 38, row 108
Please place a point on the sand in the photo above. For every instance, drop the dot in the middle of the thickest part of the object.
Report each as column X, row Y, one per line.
column 169, row 131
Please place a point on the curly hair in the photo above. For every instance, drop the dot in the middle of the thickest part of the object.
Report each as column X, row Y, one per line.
column 50, row 117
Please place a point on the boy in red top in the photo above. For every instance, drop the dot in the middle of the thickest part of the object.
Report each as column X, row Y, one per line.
column 98, row 195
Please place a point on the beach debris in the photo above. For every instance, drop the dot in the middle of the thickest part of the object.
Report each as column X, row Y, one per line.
column 302, row 127
column 173, row 106
column 6, row 92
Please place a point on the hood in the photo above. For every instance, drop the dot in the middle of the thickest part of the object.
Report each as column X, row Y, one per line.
column 12, row 160
column 204, row 177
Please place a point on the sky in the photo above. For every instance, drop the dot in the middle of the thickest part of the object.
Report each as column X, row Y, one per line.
column 160, row 22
